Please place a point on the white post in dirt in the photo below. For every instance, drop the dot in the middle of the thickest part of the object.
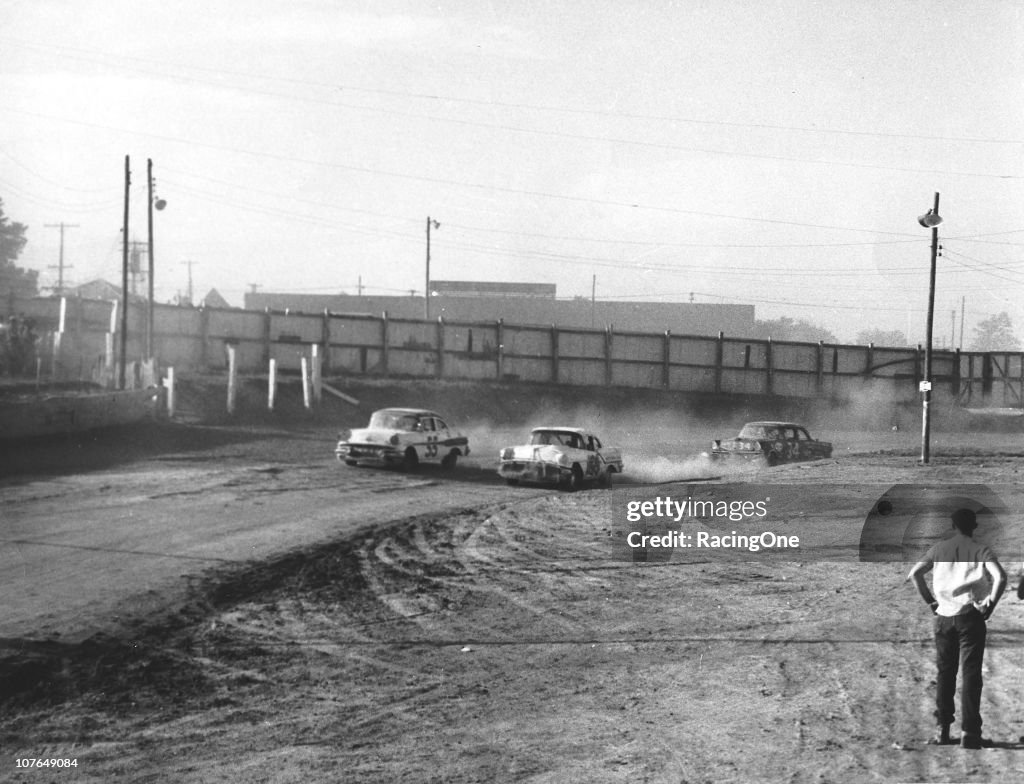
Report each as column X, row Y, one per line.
column 232, row 378
column 169, row 385
column 55, row 357
column 317, row 375
column 108, row 359
column 272, row 384
column 305, row 381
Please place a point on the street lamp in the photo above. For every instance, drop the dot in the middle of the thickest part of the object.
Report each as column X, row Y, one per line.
column 426, row 288
column 930, row 220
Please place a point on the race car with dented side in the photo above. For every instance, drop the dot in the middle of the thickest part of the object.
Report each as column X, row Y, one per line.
column 404, row 438
column 568, row 457
column 771, row 442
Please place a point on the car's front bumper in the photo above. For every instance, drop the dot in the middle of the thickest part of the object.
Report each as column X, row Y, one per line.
column 533, row 471
column 377, row 454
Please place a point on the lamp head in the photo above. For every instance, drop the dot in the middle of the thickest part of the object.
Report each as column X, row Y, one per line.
column 930, row 219
column 160, row 203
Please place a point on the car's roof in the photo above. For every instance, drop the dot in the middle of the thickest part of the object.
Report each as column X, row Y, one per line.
column 772, row 424
column 408, row 411
column 579, row 430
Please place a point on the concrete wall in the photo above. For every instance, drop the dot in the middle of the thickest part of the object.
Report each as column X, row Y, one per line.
column 196, row 340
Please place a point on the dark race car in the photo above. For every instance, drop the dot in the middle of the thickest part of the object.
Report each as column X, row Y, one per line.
column 772, row 442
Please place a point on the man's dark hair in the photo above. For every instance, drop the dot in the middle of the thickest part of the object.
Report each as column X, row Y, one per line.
column 964, row 520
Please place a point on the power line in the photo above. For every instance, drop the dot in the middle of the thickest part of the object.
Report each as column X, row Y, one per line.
column 105, row 58
column 60, row 264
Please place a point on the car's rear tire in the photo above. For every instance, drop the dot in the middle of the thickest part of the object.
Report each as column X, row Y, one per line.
column 351, row 462
column 511, row 482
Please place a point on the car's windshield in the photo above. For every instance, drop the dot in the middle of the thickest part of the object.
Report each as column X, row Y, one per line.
column 759, row 431
column 546, row 437
column 392, row 420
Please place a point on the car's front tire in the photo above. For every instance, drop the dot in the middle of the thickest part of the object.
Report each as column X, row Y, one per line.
column 449, row 460
column 575, row 480
column 410, row 460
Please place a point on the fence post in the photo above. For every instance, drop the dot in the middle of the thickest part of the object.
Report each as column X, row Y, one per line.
column 440, row 347
column 769, row 370
column 384, row 342
column 232, row 378
column 272, row 384
column 819, row 367
column 204, row 337
column 316, row 373
column 500, row 360
column 109, row 346
column 304, row 365
column 169, row 384
column 608, row 355
column 719, row 359
column 554, row 354
column 325, row 359
column 666, row 359
column 267, row 320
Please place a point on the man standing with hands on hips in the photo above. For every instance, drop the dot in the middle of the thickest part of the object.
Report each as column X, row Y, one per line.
column 968, row 581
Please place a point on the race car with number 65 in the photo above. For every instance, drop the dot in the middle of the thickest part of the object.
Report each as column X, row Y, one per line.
column 404, row 438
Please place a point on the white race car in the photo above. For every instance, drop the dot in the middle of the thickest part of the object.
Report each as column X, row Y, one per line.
column 565, row 456
column 402, row 437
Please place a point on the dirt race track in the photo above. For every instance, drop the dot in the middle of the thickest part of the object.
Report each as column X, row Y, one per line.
column 224, row 602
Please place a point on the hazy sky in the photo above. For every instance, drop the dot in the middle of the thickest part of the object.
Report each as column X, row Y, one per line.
column 767, row 153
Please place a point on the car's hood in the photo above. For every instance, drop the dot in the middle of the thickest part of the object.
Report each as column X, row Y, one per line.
column 365, row 435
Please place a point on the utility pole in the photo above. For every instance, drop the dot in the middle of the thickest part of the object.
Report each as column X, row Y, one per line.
column 929, row 220
column 124, row 277
column 189, row 264
column 426, row 289
column 151, row 201
column 60, row 262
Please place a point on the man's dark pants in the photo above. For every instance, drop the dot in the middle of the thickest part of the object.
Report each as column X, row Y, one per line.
column 960, row 639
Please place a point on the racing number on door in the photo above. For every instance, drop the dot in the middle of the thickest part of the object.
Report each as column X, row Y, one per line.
column 431, row 446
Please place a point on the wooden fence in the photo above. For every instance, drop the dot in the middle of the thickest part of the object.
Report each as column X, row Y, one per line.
column 80, row 339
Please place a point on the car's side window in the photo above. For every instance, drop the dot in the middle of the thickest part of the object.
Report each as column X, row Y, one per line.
column 440, row 425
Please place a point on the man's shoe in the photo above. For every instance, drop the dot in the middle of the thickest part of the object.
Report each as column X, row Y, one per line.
column 941, row 737
column 975, row 742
